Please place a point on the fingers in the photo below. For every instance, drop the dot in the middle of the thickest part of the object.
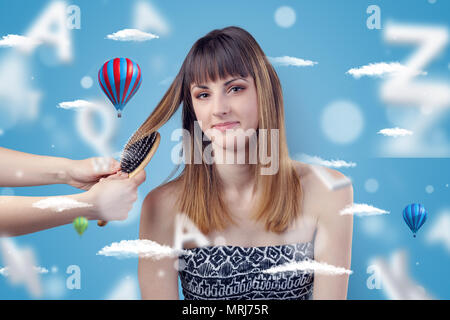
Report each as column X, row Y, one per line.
column 139, row 178
column 105, row 165
column 123, row 174
column 116, row 176
column 115, row 165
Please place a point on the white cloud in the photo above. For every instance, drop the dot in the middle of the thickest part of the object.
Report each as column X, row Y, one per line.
column 309, row 266
column 147, row 17
column 131, row 35
column 291, row 61
column 395, row 132
column 362, row 209
column 75, row 104
column 423, row 126
column 14, row 40
column 60, row 204
column 4, row 271
column 440, row 231
column 41, row 270
column 140, row 248
column 380, row 69
column 327, row 163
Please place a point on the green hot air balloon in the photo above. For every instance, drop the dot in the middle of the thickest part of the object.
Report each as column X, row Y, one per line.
column 80, row 224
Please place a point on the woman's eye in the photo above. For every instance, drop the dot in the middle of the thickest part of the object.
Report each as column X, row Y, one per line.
column 200, row 95
column 240, row 88
column 205, row 95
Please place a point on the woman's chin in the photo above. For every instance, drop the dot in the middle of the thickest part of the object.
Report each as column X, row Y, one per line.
column 228, row 146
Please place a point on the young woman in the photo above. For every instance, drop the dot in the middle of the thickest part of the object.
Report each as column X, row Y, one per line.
column 264, row 214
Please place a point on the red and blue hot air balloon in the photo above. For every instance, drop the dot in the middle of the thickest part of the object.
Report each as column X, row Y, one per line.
column 415, row 216
column 120, row 78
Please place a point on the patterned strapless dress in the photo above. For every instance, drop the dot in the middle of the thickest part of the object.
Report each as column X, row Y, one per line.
column 235, row 273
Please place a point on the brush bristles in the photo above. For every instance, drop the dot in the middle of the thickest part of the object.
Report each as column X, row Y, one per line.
column 135, row 153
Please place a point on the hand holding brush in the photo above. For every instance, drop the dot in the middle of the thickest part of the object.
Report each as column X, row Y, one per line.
column 136, row 155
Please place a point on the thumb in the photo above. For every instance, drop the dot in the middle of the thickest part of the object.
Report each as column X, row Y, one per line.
column 139, row 178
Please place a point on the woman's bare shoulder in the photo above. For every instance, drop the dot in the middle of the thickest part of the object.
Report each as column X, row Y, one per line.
column 310, row 176
column 306, row 174
column 321, row 198
column 303, row 169
column 160, row 201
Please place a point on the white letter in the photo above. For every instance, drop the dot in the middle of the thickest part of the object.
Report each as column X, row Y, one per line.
column 374, row 281
column 374, row 21
column 74, row 20
column 182, row 222
column 43, row 31
column 74, row 281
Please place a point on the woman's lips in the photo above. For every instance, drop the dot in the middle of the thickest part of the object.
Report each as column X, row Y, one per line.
column 226, row 126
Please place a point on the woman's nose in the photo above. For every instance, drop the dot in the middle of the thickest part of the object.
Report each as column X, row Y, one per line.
column 221, row 104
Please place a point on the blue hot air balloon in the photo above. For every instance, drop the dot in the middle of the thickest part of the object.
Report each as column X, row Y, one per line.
column 119, row 79
column 415, row 216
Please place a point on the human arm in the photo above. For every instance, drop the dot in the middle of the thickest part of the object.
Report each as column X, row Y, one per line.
column 19, row 215
column 158, row 279
column 24, row 169
column 333, row 241
column 110, row 199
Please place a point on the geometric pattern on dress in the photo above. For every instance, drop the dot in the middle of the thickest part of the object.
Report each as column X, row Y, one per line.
column 235, row 273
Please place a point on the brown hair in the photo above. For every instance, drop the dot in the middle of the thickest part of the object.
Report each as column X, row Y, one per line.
column 230, row 51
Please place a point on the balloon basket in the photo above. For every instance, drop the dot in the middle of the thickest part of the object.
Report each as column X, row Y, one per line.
column 119, row 115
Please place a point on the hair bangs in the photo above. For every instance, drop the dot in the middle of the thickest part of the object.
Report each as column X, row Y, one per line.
column 216, row 58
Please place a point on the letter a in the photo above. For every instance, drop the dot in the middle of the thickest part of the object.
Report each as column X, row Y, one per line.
column 374, row 281
column 193, row 234
column 74, row 281
column 43, row 31
column 374, row 21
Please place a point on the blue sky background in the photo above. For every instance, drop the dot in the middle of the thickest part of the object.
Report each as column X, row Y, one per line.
column 332, row 33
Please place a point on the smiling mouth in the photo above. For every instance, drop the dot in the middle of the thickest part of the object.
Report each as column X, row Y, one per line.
column 223, row 127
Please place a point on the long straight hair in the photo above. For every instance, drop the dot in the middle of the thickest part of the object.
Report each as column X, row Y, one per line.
column 230, row 51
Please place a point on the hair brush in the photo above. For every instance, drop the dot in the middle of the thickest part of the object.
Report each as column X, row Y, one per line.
column 136, row 155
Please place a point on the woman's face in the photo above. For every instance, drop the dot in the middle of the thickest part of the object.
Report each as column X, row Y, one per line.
column 232, row 99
